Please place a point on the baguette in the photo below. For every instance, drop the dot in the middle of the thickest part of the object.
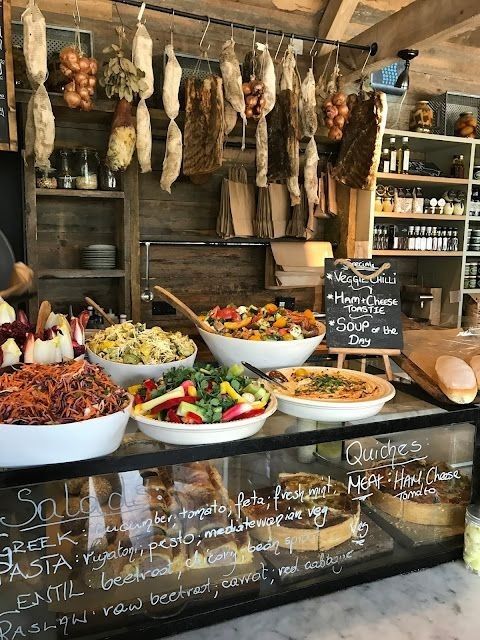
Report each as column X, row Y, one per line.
column 456, row 379
column 475, row 364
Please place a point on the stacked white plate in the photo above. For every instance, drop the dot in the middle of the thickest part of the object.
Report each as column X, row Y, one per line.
column 99, row 256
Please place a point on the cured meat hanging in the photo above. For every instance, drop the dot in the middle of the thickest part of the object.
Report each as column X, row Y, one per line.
column 282, row 132
column 232, row 81
column 204, row 126
column 267, row 77
column 173, row 148
column 124, row 80
column 142, row 49
column 40, row 125
column 362, row 141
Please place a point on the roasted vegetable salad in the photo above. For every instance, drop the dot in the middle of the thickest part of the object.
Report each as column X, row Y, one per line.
column 263, row 323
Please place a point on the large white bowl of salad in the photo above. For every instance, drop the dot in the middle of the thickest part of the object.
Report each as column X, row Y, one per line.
column 200, row 405
column 131, row 352
column 268, row 337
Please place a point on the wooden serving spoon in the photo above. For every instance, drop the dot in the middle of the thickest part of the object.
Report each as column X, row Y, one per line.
column 182, row 308
column 43, row 313
column 98, row 308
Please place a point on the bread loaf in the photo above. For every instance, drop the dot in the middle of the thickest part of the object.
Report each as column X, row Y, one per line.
column 456, row 379
column 475, row 364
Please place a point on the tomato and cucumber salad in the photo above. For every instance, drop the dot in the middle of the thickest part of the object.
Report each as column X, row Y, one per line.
column 201, row 395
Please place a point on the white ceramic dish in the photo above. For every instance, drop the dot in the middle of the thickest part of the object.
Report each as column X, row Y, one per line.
column 184, row 434
column 334, row 410
column 25, row 445
column 126, row 375
column 263, row 354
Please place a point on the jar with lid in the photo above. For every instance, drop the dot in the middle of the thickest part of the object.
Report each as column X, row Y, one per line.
column 87, row 168
column 46, row 178
column 421, row 117
column 471, row 545
column 466, row 125
column 65, row 171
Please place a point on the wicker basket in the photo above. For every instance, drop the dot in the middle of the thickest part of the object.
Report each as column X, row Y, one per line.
column 448, row 107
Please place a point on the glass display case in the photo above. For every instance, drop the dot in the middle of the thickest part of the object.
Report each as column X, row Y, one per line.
column 156, row 539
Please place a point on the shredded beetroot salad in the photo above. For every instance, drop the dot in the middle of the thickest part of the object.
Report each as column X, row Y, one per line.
column 42, row 394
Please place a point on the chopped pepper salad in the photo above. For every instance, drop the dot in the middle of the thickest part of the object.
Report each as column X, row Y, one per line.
column 130, row 343
column 262, row 323
column 201, row 395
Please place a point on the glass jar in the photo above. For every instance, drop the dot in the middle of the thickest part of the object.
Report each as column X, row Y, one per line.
column 471, row 548
column 108, row 179
column 87, row 168
column 46, row 178
column 476, row 172
column 421, row 117
column 65, row 171
column 466, row 125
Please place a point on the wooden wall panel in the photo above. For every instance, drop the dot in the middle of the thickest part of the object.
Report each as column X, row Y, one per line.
column 206, row 276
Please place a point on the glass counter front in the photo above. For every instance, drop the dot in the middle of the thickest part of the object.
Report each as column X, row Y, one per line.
column 158, row 539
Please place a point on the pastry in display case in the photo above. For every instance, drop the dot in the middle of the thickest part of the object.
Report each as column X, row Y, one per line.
column 147, row 539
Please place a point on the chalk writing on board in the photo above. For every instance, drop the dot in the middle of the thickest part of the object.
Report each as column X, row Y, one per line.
column 362, row 314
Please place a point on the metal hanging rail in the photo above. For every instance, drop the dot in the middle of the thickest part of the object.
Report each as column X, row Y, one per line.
column 371, row 48
column 207, row 243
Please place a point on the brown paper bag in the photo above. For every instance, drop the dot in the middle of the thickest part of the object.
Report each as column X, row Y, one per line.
column 242, row 205
column 280, row 203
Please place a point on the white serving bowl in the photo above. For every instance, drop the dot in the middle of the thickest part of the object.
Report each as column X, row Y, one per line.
column 126, row 375
column 263, row 354
column 173, row 433
column 26, row 445
column 334, row 410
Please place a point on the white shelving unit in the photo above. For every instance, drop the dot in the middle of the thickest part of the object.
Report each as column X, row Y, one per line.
column 433, row 268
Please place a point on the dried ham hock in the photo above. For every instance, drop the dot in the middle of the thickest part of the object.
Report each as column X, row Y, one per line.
column 362, row 142
column 283, row 128
column 204, row 126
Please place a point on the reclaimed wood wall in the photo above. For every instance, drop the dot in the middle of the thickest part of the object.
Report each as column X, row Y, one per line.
column 206, row 276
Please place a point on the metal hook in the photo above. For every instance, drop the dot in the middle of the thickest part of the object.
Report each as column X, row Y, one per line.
column 266, row 38
column 279, row 46
column 203, row 36
column 254, row 38
column 337, row 44
column 313, row 47
column 292, row 38
column 231, row 27
column 172, row 27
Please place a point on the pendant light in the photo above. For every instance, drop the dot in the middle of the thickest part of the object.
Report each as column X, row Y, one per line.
column 403, row 79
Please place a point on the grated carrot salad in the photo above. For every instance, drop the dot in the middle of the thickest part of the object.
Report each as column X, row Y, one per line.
column 43, row 394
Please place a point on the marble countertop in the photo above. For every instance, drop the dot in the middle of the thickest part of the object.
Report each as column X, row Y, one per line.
column 433, row 604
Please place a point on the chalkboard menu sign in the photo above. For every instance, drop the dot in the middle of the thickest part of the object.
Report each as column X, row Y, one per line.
column 362, row 314
column 8, row 127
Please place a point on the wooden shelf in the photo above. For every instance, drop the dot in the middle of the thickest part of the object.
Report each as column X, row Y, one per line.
column 467, row 291
column 420, row 216
column 473, row 254
column 80, row 193
column 476, row 182
column 80, row 274
column 427, row 136
column 430, row 254
column 408, row 177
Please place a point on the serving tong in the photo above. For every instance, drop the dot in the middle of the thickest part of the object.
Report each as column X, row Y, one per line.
column 274, row 377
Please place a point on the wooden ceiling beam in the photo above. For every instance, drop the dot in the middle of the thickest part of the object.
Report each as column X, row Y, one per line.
column 417, row 26
column 335, row 21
